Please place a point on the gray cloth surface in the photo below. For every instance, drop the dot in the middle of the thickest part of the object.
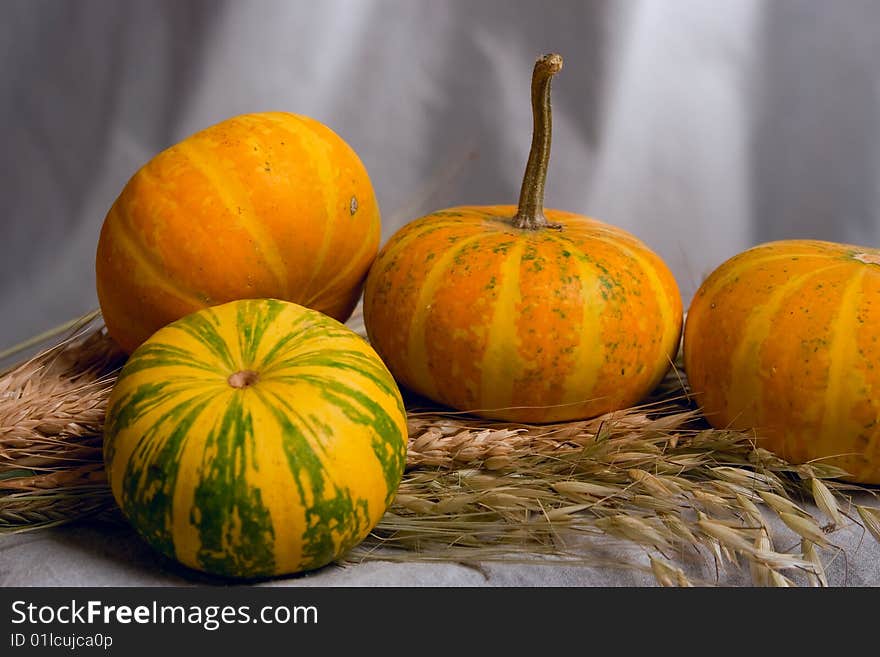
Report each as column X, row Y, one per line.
column 102, row 554
column 702, row 127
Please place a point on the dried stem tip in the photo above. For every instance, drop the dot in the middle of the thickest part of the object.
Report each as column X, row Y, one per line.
column 243, row 378
column 530, row 213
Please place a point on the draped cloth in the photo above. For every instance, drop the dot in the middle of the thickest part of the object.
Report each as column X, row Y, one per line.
column 702, row 127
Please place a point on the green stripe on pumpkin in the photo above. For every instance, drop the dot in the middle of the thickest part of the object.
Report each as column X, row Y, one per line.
column 144, row 400
column 203, row 329
column 333, row 511
column 152, row 355
column 224, row 496
column 353, row 362
column 303, row 330
column 150, row 476
column 369, row 413
column 253, row 319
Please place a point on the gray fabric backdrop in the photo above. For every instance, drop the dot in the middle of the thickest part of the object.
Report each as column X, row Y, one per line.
column 702, row 126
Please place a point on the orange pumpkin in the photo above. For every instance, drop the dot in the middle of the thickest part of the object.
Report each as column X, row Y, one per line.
column 520, row 314
column 261, row 205
column 785, row 339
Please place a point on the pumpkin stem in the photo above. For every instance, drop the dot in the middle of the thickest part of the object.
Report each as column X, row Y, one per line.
column 530, row 213
column 243, row 378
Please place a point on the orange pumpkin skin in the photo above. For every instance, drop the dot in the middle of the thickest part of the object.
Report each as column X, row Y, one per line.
column 522, row 325
column 785, row 339
column 269, row 205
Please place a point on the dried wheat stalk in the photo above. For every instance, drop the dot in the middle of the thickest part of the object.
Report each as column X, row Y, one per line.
column 653, row 478
column 51, row 414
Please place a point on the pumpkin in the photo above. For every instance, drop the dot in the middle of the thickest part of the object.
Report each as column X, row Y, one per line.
column 521, row 314
column 784, row 339
column 261, row 205
column 254, row 438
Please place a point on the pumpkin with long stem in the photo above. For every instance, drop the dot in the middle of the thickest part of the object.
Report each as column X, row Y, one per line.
column 521, row 313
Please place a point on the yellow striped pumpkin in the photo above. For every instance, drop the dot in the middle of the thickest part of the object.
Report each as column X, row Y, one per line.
column 261, row 205
column 254, row 438
column 785, row 339
column 522, row 315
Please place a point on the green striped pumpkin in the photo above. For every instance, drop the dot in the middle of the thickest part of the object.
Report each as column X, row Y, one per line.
column 254, row 438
